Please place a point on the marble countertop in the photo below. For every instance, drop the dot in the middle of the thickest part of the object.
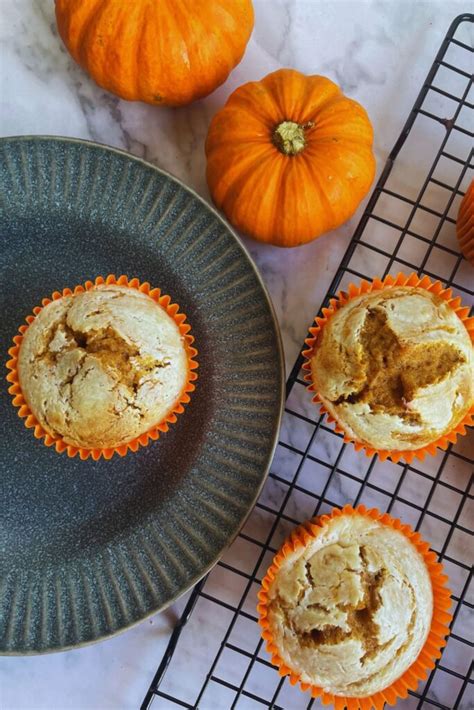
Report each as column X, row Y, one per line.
column 379, row 52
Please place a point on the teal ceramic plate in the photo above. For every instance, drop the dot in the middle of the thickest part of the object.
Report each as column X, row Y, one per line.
column 89, row 548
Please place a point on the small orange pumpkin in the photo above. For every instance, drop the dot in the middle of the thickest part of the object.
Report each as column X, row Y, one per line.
column 160, row 51
column 289, row 157
column 465, row 225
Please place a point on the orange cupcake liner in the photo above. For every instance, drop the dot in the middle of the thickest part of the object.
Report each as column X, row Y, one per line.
column 144, row 439
column 377, row 284
column 465, row 225
column 435, row 641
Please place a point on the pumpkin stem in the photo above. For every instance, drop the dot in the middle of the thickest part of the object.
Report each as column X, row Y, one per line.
column 289, row 137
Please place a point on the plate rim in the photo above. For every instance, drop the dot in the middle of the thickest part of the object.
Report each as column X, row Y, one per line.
column 32, row 138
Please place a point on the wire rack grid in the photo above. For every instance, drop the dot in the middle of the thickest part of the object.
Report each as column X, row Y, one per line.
column 408, row 225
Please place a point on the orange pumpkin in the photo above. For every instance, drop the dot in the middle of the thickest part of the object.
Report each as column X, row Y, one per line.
column 166, row 52
column 289, row 157
column 465, row 225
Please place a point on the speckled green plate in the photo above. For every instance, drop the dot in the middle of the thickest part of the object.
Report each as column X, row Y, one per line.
column 89, row 548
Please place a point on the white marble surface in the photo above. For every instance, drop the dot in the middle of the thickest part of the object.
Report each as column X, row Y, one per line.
column 379, row 52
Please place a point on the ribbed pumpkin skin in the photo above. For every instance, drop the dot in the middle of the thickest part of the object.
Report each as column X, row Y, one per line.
column 167, row 52
column 465, row 225
column 289, row 199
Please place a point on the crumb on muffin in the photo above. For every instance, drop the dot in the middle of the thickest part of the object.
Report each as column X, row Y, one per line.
column 395, row 368
column 351, row 611
column 101, row 367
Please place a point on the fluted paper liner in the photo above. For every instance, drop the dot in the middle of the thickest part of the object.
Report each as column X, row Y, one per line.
column 440, row 620
column 153, row 433
column 465, row 225
column 377, row 284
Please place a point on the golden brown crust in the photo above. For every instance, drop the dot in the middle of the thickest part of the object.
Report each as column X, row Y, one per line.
column 395, row 368
column 351, row 611
column 100, row 368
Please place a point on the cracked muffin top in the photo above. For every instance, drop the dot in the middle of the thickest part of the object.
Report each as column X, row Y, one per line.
column 395, row 368
column 100, row 368
column 352, row 609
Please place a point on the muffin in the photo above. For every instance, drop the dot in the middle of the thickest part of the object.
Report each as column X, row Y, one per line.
column 348, row 604
column 395, row 368
column 465, row 225
column 100, row 367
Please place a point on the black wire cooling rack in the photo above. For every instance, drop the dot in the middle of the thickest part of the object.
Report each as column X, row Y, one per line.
column 215, row 658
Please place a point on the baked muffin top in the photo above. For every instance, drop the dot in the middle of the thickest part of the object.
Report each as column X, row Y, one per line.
column 351, row 611
column 395, row 368
column 100, row 368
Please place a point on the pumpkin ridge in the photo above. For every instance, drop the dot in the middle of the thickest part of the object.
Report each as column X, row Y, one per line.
column 278, row 81
column 328, row 149
column 178, row 20
column 197, row 60
column 330, row 141
column 99, row 42
column 288, row 211
column 260, row 114
column 356, row 157
column 318, row 104
column 194, row 64
column 228, row 7
column 342, row 111
column 299, row 222
column 340, row 172
column 316, row 180
column 130, row 55
column 249, row 186
column 65, row 26
column 83, row 38
column 242, row 177
column 259, row 147
column 225, row 33
column 246, row 93
column 246, row 139
column 213, row 27
column 163, row 31
column 313, row 111
column 278, row 167
column 140, row 83
column 274, row 218
column 239, row 158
